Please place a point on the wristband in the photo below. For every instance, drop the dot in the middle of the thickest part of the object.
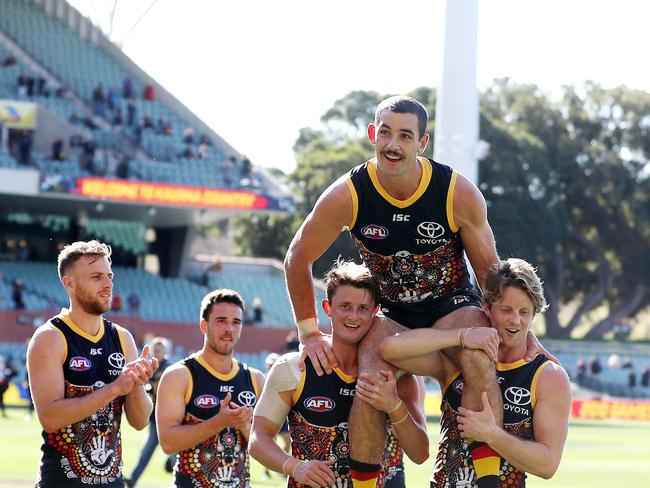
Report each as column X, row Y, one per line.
column 464, row 336
column 307, row 328
column 396, row 408
column 284, row 465
column 402, row 419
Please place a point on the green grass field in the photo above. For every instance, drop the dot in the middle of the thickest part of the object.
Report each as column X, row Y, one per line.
column 598, row 454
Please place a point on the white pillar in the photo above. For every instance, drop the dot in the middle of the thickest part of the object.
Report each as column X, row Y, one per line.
column 457, row 105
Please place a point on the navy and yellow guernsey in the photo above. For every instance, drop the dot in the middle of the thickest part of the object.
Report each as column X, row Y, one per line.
column 88, row 452
column 518, row 382
column 221, row 460
column 318, row 421
column 412, row 247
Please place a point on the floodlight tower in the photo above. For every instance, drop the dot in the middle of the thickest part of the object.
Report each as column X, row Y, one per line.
column 457, row 106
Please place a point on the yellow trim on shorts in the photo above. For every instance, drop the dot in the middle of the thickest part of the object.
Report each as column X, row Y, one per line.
column 450, row 202
column 190, row 386
column 301, row 385
column 355, row 202
column 449, row 381
column 422, row 187
column 489, row 465
column 92, row 338
column 533, row 384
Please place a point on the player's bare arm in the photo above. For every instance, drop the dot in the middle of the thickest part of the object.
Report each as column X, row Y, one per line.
column 470, row 215
column 137, row 404
column 270, row 411
column 332, row 212
column 541, row 456
column 417, row 350
column 170, row 409
column 45, row 356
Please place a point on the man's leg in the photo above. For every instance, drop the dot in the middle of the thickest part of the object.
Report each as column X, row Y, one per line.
column 367, row 426
column 479, row 375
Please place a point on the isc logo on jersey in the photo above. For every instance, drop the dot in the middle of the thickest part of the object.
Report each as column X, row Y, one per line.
column 79, row 363
column 206, row 401
column 374, row 231
column 319, row 404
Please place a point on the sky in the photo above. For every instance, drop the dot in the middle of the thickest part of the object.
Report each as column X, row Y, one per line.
column 257, row 71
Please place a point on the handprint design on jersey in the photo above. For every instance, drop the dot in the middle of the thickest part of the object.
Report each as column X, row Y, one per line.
column 91, row 446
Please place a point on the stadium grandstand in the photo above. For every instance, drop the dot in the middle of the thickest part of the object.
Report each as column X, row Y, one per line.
column 93, row 147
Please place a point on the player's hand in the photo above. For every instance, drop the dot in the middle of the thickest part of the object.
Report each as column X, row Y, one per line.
column 316, row 474
column 378, row 390
column 319, row 350
column 232, row 415
column 142, row 368
column 534, row 347
column 477, row 425
column 485, row 339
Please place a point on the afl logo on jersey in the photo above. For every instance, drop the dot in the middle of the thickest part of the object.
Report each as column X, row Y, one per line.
column 319, row 404
column 206, row 401
column 374, row 231
column 79, row 363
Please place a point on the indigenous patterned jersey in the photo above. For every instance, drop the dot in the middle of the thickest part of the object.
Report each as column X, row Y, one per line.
column 318, row 421
column 518, row 382
column 412, row 247
column 221, row 460
column 88, row 452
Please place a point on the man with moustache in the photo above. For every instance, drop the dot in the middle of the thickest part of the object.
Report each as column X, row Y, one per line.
column 205, row 402
column 412, row 220
column 83, row 371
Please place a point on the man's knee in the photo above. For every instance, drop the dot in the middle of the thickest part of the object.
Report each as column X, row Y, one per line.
column 475, row 364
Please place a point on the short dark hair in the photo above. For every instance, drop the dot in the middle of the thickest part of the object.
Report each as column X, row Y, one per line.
column 518, row 273
column 72, row 253
column 353, row 274
column 222, row 295
column 402, row 104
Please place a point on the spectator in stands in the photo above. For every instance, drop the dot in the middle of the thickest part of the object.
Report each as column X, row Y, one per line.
column 292, row 343
column 41, row 87
column 116, row 304
column 24, row 251
column 130, row 114
column 62, row 92
column 4, row 385
column 188, row 152
column 159, row 349
column 205, row 140
column 112, row 98
column 88, row 148
column 118, row 119
column 25, row 147
column 149, row 93
column 57, row 150
column 203, row 151
column 631, row 378
column 17, row 294
column 581, row 368
column 22, row 86
column 134, row 302
column 645, row 377
column 594, row 366
column 99, row 99
column 188, row 136
column 246, row 168
column 9, row 61
column 10, row 248
column 127, row 88
column 257, row 310
column 229, row 170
